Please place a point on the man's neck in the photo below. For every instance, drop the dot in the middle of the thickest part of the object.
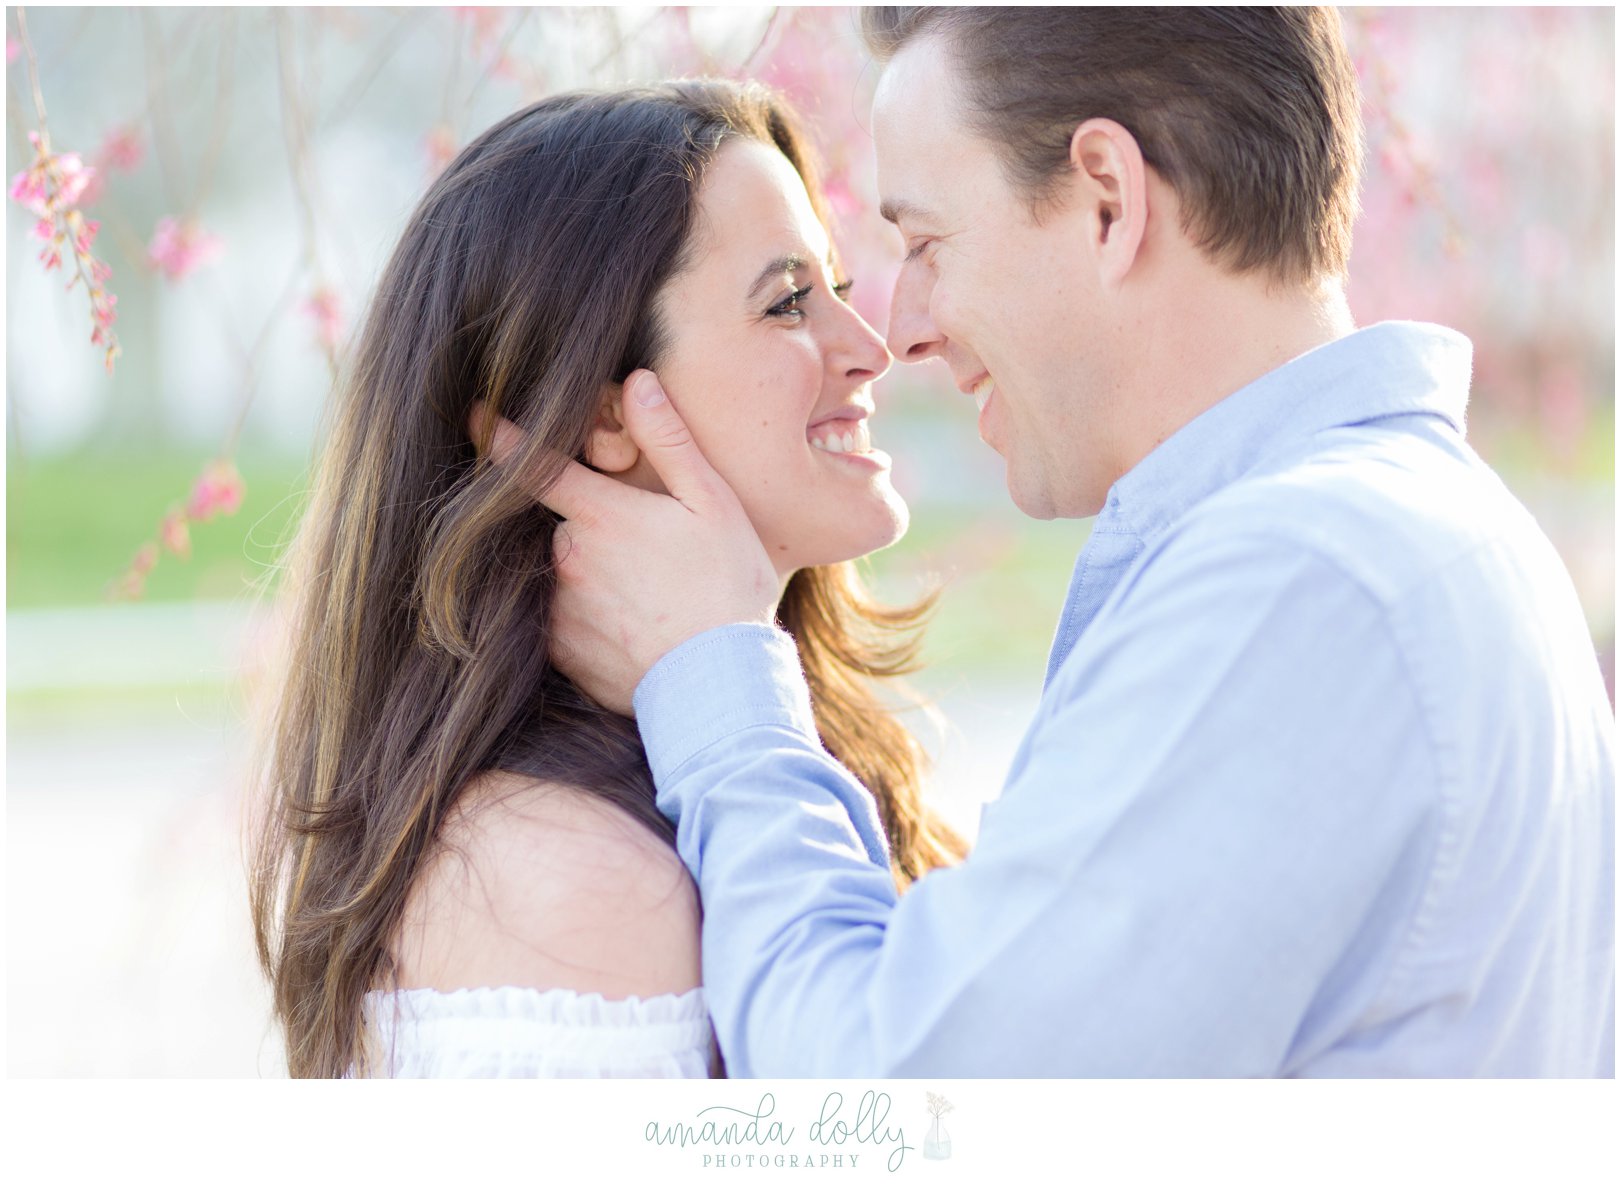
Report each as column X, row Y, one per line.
column 1204, row 358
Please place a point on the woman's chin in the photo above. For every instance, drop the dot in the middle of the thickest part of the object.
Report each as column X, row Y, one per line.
column 879, row 522
column 885, row 523
column 890, row 521
column 900, row 519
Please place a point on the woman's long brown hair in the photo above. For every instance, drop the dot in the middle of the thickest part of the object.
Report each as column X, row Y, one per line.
column 419, row 587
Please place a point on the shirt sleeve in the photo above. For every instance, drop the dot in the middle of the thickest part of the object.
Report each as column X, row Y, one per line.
column 1210, row 846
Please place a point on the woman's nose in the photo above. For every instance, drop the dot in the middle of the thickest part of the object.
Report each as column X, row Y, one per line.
column 868, row 357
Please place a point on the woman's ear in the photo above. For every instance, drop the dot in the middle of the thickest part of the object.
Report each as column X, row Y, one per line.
column 609, row 447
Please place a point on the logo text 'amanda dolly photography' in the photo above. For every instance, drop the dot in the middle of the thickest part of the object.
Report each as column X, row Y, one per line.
column 733, row 1137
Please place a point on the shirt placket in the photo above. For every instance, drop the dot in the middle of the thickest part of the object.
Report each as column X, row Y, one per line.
column 1108, row 554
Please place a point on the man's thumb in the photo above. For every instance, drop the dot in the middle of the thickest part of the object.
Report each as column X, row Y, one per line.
column 660, row 434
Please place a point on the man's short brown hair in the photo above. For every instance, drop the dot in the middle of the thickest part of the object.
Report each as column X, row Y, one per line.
column 1250, row 114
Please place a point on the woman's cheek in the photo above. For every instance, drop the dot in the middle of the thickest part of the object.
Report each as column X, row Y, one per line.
column 722, row 438
column 696, row 406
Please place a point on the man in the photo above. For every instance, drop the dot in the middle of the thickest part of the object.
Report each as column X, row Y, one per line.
column 1321, row 782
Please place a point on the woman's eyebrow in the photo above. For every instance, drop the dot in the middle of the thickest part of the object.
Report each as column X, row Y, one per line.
column 773, row 270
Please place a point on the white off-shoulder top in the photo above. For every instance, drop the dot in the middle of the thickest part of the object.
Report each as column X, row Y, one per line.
column 521, row 1032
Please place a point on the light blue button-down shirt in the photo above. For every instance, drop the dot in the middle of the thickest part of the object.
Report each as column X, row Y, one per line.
column 1321, row 783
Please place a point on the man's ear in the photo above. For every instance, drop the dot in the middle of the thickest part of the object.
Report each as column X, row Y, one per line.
column 609, row 448
column 1111, row 182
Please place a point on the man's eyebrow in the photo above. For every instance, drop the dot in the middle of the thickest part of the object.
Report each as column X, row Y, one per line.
column 782, row 264
column 895, row 209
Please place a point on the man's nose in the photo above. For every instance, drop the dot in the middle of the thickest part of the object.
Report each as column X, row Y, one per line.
column 913, row 336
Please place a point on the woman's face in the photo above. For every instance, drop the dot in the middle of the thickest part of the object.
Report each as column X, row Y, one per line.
column 772, row 371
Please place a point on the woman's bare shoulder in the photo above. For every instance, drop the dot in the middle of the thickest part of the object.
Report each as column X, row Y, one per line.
column 541, row 885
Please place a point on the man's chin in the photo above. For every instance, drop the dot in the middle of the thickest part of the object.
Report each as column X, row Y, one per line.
column 1034, row 501
column 1040, row 501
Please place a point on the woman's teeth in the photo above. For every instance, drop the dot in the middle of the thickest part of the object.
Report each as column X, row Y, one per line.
column 856, row 439
column 982, row 392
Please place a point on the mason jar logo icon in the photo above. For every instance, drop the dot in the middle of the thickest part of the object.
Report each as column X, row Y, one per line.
column 937, row 1144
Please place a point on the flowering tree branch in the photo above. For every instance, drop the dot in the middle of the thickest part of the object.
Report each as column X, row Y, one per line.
column 51, row 187
column 1411, row 206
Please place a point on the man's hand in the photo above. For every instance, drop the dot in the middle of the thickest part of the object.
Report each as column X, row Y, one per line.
column 640, row 573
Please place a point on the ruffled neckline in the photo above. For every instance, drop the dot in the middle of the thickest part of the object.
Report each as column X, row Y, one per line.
column 556, row 1005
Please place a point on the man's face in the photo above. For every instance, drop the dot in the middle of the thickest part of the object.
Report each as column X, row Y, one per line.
column 1015, row 309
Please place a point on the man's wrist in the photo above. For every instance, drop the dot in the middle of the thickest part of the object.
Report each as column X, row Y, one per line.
column 715, row 684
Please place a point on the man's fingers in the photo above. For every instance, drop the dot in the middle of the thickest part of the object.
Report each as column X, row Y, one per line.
column 660, row 434
column 497, row 435
column 578, row 493
column 584, row 495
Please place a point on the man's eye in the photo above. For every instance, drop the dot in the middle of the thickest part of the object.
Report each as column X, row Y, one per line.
column 917, row 249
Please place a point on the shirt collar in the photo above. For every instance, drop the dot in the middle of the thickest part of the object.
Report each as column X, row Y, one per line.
column 1390, row 369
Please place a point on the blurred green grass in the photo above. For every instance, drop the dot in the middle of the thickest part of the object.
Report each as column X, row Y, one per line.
column 74, row 522
column 208, row 704
column 1523, row 456
column 1002, row 578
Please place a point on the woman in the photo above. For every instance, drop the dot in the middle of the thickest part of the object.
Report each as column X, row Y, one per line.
column 463, row 871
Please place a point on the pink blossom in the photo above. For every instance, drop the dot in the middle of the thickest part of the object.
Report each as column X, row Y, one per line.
column 85, row 235
column 28, row 188
column 93, row 192
column 218, row 491
column 122, row 149
column 487, row 23
column 51, row 187
column 174, row 535
column 132, row 581
column 75, row 176
column 179, row 248
column 324, row 307
column 440, row 146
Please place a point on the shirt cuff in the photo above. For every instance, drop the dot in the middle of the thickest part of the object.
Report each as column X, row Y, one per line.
column 716, row 684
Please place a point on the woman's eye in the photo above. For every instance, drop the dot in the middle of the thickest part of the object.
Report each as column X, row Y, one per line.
column 842, row 289
column 790, row 304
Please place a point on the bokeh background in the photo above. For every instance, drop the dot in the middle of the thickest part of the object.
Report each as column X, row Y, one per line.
column 248, row 170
